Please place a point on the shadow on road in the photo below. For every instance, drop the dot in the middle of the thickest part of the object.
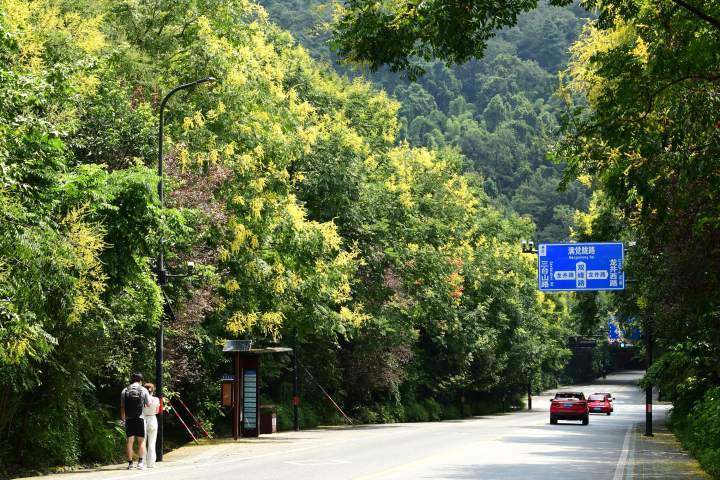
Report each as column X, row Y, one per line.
column 547, row 458
column 560, row 466
column 616, row 381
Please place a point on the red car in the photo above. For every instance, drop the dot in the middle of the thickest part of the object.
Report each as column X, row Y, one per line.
column 569, row 406
column 600, row 403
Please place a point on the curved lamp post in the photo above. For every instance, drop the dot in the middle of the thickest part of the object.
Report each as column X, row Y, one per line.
column 162, row 274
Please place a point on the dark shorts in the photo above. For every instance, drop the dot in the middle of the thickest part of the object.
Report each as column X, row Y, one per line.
column 135, row 427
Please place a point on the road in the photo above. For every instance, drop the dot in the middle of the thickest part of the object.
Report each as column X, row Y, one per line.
column 520, row 445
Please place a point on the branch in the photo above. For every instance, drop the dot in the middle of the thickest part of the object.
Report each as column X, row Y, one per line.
column 698, row 13
column 639, row 116
column 652, row 96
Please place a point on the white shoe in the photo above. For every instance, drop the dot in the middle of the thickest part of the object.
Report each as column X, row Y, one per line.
column 141, row 466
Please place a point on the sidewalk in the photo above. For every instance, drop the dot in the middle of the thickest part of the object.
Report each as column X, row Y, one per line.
column 660, row 456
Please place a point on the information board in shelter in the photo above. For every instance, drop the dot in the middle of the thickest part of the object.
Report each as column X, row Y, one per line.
column 250, row 403
column 580, row 266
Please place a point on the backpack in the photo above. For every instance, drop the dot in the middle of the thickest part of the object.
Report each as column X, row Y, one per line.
column 133, row 401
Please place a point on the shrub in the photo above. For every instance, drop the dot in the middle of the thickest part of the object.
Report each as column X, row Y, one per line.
column 55, row 439
column 699, row 430
column 284, row 417
column 367, row 415
column 308, row 417
column 101, row 438
column 433, row 408
column 450, row 412
column 415, row 412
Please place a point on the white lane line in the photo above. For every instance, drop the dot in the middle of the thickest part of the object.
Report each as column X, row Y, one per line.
column 317, row 463
column 622, row 461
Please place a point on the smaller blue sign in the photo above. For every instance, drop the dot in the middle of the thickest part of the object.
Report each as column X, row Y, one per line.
column 580, row 266
column 617, row 334
column 613, row 333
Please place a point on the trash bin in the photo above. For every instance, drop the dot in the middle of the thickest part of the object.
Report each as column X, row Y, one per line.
column 268, row 419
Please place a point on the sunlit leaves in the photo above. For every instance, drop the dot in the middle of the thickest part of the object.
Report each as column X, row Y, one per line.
column 646, row 129
column 396, row 33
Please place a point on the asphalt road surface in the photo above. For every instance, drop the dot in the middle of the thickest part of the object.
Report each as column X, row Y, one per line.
column 520, row 445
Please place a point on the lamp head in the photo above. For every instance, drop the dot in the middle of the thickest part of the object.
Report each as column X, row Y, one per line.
column 205, row 80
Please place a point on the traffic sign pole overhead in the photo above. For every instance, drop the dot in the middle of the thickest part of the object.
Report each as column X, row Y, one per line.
column 566, row 267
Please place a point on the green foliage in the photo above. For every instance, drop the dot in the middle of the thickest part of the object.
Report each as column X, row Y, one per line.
column 499, row 111
column 395, row 33
column 102, row 438
column 309, row 219
column 416, row 412
column 61, row 288
column 642, row 121
column 699, row 430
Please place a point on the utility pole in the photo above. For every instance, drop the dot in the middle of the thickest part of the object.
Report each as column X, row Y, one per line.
column 529, row 392
column 296, row 388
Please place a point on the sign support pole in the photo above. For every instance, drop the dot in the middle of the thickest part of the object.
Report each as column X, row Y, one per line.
column 649, row 387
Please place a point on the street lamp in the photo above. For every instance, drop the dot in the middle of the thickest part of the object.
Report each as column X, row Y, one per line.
column 162, row 275
column 529, row 248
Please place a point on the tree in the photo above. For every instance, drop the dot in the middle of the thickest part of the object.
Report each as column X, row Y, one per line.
column 642, row 120
column 398, row 33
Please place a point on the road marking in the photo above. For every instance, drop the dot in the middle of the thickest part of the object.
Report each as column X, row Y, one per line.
column 193, row 463
column 317, row 463
column 622, row 461
column 428, row 458
column 297, row 446
column 190, row 464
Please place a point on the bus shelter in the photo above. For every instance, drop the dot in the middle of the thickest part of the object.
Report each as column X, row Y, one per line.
column 241, row 391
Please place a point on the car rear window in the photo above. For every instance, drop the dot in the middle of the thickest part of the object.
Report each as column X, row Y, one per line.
column 597, row 397
column 570, row 396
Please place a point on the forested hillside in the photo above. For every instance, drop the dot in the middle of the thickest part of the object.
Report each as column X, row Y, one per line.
column 500, row 111
column 311, row 224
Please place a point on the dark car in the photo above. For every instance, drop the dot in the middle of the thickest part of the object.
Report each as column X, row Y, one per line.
column 569, row 406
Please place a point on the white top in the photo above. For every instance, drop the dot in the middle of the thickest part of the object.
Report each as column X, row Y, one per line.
column 152, row 407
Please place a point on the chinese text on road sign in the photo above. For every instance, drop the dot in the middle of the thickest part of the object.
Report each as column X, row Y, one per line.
column 580, row 266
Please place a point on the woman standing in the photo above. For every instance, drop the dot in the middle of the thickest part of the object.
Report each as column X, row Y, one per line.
column 151, row 425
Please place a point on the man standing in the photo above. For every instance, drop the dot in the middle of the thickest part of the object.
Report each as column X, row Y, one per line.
column 132, row 400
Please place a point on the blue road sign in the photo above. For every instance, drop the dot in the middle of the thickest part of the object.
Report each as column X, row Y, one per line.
column 580, row 266
column 628, row 333
column 613, row 333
